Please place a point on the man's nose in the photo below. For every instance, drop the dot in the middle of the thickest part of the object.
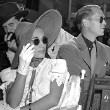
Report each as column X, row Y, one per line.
column 5, row 29
column 104, row 22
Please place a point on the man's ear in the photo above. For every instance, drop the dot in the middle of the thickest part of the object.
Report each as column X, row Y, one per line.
column 85, row 22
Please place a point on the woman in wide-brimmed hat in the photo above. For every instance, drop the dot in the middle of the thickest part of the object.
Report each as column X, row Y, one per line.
column 40, row 83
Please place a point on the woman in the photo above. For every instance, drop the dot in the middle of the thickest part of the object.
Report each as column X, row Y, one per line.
column 39, row 83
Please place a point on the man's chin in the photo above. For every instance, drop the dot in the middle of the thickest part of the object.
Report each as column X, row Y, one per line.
column 101, row 34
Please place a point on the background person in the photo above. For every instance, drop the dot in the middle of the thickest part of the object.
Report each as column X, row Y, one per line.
column 10, row 17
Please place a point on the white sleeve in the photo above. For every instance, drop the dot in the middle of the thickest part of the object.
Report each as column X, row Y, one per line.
column 8, row 75
column 72, row 94
column 59, row 71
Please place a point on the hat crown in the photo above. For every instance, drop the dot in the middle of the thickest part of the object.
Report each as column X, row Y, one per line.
column 8, row 9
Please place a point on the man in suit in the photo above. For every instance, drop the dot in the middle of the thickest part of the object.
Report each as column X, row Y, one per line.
column 77, row 52
column 11, row 15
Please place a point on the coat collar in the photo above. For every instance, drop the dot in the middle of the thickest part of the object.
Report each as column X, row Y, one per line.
column 83, row 49
column 80, row 42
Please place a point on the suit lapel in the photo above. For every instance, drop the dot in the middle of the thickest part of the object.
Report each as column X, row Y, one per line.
column 101, row 57
column 83, row 49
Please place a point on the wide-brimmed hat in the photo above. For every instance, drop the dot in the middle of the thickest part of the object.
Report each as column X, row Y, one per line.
column 50, row 22
column 21, row 30
column 10, row 9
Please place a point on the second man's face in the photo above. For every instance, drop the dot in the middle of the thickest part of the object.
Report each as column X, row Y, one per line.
column 10, row 25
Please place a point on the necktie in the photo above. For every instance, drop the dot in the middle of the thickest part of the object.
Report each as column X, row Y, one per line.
column 29, row 95
column 93, row 58
column 30, row 85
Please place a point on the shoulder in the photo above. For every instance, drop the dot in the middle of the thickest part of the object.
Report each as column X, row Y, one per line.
column 104, row 49
column 103, row 46
column 71, row 44
column 68, row 49
column 59, row 71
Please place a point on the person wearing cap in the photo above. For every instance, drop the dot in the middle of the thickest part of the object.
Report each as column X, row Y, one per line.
column 10, row 17
column 79, row 53
column 35, row 81
column 4, row 61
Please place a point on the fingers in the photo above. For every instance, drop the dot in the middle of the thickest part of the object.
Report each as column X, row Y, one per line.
column 12, row 44
column 5, row 37
column 27, row 52
column 8, row 37
column 28, row 49
column 25, row 58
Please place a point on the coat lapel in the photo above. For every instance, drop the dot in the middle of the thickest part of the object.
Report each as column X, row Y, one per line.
column 101, row 58
column 83, row 49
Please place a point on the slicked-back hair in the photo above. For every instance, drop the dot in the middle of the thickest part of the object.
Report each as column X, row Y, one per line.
column 84, row 12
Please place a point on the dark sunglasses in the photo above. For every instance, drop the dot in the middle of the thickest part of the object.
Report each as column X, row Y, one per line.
column 101, row 19
column 36, row 41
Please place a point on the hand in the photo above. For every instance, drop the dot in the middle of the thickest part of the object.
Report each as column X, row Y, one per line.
column 8, row 36
column 11, row 43
column 27, row 53
column 25, row 58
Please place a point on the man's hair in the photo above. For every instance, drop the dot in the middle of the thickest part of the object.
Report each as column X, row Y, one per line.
column 84, row 12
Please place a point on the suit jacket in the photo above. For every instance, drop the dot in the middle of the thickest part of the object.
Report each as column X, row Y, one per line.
column 76, row 53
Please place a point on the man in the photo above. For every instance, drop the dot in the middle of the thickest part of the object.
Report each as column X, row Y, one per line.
column 91, row 22
column 77, row 53
column 10, row 16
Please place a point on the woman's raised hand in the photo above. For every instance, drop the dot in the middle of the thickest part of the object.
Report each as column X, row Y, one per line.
column 27, row 53
column 25, row 58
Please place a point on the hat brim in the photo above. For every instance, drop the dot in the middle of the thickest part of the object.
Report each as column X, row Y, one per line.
column 22, row 13
column 50, row 22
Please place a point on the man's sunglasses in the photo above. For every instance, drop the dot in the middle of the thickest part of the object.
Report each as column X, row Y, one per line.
column 36, row 41
column 101, row 19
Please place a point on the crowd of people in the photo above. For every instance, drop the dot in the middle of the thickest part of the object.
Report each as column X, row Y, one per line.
column 46, row 63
